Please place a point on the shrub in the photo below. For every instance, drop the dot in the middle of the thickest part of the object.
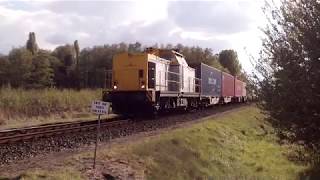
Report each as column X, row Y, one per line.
column 21, row 102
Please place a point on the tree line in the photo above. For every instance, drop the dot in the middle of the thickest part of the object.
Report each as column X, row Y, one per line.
column 69, row 67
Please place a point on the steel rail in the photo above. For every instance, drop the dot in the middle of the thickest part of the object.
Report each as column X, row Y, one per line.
column 20, row 134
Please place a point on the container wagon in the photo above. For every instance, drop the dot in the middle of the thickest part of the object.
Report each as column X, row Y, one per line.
column 238, row 88
column 210, row 86
column 227, row 87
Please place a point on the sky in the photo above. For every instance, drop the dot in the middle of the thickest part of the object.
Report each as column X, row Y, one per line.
column 215, row 24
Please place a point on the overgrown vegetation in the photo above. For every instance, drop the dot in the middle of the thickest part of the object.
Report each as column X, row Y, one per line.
column 22, row 105
column 229, row 60
column 289, row 74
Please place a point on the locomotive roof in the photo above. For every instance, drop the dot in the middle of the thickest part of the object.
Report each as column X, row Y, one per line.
column 168, row 54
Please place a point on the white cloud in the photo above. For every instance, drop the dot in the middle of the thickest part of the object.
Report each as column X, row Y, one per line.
column 216, row 24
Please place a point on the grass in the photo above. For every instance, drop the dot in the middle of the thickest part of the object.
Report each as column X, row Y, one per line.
column 235, row 146
column 238, row 145
column 19, row 107
column 62, row 174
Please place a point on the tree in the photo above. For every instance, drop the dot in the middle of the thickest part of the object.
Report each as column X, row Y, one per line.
column 65, row 75
column 32, row 44
column 95, row 61
column 4, row 67
column 20, row 60
column 77, row 51
column 288, row 68
column 66, row 54
column 41, row 74
column 229, row 60
column 136, row 47
column 196, row 55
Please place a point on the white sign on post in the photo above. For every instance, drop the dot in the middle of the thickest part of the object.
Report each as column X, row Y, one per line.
column 100, row 107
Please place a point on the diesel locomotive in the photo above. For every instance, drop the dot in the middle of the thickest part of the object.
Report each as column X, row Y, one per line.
column 160, row 79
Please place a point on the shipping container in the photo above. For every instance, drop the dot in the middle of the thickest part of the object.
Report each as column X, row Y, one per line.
column 210, row 80
column 238, row 87
column 227, row 85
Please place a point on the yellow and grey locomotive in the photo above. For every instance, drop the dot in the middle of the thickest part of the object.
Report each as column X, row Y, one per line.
column 152, row 81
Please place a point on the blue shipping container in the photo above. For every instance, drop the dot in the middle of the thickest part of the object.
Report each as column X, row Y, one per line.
column 210, row 80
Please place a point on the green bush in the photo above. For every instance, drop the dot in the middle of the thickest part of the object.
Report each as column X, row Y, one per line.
column 20, row 102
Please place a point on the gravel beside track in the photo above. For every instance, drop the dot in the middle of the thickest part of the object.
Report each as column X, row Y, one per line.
column 11, row 152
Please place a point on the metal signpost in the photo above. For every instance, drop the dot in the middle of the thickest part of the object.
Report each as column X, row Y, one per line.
column 99, row 108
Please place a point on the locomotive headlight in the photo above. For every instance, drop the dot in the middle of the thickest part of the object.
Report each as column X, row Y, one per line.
column 143, row 85
column 115, row 85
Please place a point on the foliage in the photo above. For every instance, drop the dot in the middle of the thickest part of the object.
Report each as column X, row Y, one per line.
column 41, row 102
column 32, row 44
column 69, row 67
column 28, row 71
column 288, row 69
column 77, row 51
column 41, row 72
column 19, row 71
column 229, row 60
column 135, row 47
column 4, row 65
column 95, row 61
column 66, row 54
column 195, row 55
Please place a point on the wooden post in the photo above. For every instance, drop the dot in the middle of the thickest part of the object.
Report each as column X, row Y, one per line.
column 97, row 140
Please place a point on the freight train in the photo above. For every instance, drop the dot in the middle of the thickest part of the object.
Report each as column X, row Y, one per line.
column 160, row 80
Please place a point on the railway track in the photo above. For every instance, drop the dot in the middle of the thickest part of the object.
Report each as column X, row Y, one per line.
column 23, row 143
column 21, row 134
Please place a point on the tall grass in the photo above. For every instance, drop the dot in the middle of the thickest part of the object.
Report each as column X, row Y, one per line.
column 30, row 103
